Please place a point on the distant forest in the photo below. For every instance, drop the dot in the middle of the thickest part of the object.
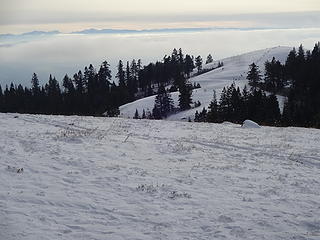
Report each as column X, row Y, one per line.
column 298, row 80
column 91, row 92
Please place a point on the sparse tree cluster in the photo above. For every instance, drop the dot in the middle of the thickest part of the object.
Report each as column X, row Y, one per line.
column 236, row 106
column 298, row 80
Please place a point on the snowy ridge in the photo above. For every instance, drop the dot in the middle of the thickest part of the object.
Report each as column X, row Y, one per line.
column 114, row 178
column 234, row 70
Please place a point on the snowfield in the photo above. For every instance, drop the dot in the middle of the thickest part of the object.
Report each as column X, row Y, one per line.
column 234, row 70
column 113, row 178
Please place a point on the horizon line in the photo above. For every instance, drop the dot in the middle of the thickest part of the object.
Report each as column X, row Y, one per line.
column 106, row 31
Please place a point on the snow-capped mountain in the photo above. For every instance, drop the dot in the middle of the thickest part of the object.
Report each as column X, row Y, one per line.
column 234, row 70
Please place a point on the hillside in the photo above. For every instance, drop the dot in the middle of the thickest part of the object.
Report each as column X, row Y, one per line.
column 113, row 178
column 234, row 70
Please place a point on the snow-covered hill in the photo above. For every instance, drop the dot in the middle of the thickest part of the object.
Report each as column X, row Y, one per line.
column 113, row 178
column 234, row 70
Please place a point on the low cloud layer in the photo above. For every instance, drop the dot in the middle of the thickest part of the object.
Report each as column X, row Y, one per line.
column 61, row 54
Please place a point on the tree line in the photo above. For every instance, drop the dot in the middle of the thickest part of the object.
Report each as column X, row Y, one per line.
column 91, row 91
column 298, row 80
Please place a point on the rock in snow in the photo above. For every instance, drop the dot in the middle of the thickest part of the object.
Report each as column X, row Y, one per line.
column 250, row 124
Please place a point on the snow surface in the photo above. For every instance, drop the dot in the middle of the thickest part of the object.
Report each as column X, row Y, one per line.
column 113, row 178
column 234, row 70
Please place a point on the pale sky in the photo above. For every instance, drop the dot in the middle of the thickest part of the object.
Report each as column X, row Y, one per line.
column 66, row 15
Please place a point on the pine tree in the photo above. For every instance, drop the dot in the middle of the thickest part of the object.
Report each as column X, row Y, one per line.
column 209, row 59
column 174, row 56
column 212, row 115
column 274, row 76
column 196, row 116
column 180, row 56
column 35, row 85
column 121, row 75
column 185, row 93
column 68, row 85
column 143, row 114
column 163, row 104
column 69, row 95
column 129, row 83
column 199, row 63
column 189, row 65
column 254, row 76
column 136, row 115
column 102, row 96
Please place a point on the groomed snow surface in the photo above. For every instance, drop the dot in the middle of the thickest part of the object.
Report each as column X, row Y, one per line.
column 113, row 178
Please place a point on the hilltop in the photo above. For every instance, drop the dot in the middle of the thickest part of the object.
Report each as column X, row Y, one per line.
column 234, row 69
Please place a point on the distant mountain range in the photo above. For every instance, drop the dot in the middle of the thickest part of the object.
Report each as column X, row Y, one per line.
column 127, row 31
column 33, row 33
column 124, row 31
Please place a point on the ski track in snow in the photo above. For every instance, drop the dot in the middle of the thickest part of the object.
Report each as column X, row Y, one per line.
column 113, row 178
column 234, row 70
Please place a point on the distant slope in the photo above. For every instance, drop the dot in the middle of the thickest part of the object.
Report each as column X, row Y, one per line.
column 234, row 70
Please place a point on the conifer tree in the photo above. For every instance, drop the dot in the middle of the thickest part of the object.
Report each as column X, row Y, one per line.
column 209, row 59
column 163, row 104
column 274, row 76
column 199, row 63
column 143, row 114
column 35, row 85
column 254, row 76
column 212, row 115
column 185, row 93
column 136, row 115
column 121, row 75
column 189, row 65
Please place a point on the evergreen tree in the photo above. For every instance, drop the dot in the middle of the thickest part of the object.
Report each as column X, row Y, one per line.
column 53, row 93
column 189, row 65
column 202, row 116
column 180, row 56
column 163, row 104
column 69, row 95
column 143, row 114
column 185, row 93
column 102, row 96
column 136, row 115
column 209, row 59
column 35, row 90
column 121, row 75
column 35, row 84
column 212, row 115
column 199, row 63
column 254, row 76
column 274, row 76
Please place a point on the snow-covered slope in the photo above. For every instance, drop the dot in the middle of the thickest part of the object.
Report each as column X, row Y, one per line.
column 234, row 70
column 105, row 178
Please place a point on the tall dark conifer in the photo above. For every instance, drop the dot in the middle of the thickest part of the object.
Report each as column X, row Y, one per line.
column 254, row 76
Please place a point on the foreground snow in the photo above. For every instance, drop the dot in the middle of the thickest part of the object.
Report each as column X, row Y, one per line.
column 234, row 70
column 104, row 178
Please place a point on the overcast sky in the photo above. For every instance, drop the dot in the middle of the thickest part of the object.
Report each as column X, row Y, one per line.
column 67, row 15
